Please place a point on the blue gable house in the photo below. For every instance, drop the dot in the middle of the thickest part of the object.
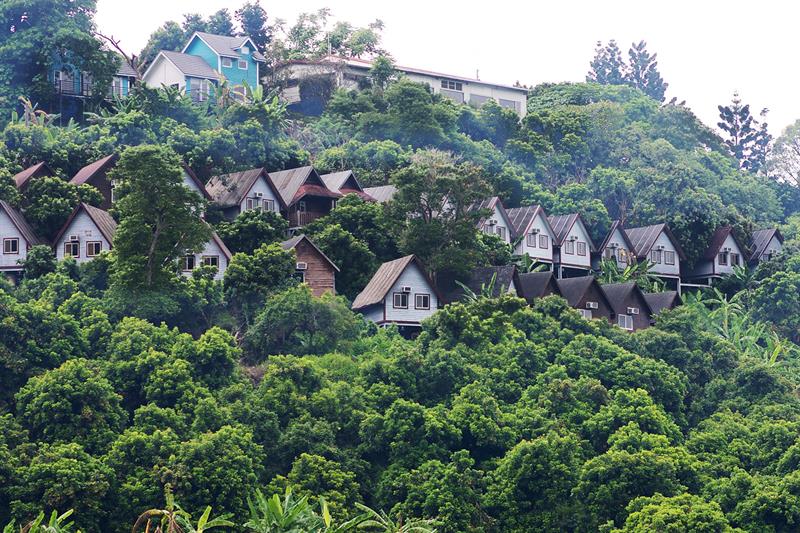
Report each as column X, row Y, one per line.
column 204, row 62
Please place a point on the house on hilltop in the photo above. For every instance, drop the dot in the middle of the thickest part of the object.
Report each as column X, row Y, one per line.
column 18, row 238
column 660, row 301
column 534, row 285
column 617, row 247
column 312, row 266
column 39, row 170
column 304, row 194
column 497, row 222
column 345, row 182
column 572, row 245
column 96, row 175
column 631, row 310
column 244, row 191
column 658, row 245
column 586, row 295
column 533, row 234
column 86, row 234
column 497, row 280
column 214, row 254
column 766, row 244
column 381, row 194
column 723, row 254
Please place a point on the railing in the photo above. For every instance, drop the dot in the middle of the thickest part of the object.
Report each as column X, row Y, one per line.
column 73, row 87
column 299, row 218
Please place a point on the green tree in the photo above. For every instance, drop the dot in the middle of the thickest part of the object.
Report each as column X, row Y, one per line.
column 39, row 261
column 253, row 20
column 49, row 201
column 250, row 278
column 170, row 36
column 643, row 72
column 748, row 139
column 607, row 66
column 355, row 260
column 251, row 229
column 679, row 513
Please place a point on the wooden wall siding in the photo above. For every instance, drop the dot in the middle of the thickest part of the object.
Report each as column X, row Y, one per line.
column 663, row 268
column 543, row 254
column 575, row 260
column 10, row 262
column 320, row 275
column 413, row 277
column 260, row 186
column 501, row 222
column 210, row 248
column 101, row 182
column 315, row 208
column 640, row 321
column 594, row 294
column 86, row 230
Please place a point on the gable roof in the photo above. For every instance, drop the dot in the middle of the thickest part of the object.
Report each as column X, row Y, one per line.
column 382, row 194
column 345, row 182
column 480, row 277
column 222, row 247
column 228, row 190
column 573, row 289
column 189, row 65
column 200, row 185
column 643, row 239
column 21, row 224
column 522, row 217
column 761, row 239
column 225, row 45
column 561, row 225
column 90, row 170
column 295, row 183
column 534, row 285
column 658, row 301
column 101, row 219
column 384, row 278
column 292, row 243
column 125, row 70
column 718, row 239
column 616, row 293
column 616, row 225
column 37, row 170
column 491, row 204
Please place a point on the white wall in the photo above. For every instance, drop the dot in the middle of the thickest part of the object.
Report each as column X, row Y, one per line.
column 663, row 268
column 413, row 277
column 617, row 238
column 164, row 72
column 82, row 226
column 773, row 246
column 730, row 242
column 542, row 254
column 477, row 88
column 9, row 231
column 501, row 223
column 575, row 260
column 211, row 248
column 260, row 186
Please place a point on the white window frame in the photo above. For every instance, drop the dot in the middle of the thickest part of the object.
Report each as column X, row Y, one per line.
column 501, row 232
column 453, row 85
column 206, row 260
column 581, row 248
column 267, row 204
column 7, row 243
column 722, row 259
column 417, row 298
column 656, row 256
column 531, row 240
column 544, row 242
column 240, row 62
column 229, row 62
column 586, row 313
column 569, row 247
column 89, row 244
column 624, row 321
column 735, row 259
column 669, row 257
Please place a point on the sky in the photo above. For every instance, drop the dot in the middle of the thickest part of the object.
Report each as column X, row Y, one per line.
column 707, row 49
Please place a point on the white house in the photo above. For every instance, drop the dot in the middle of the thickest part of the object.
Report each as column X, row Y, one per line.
column 497, row 222
column 399, row 293
column 18, row 237
column 215, row 254
column 243, row 191
column 766, row 244
column 573, row 247
column 351, row 72
column 659, row 246
column 617, row 247
column 87, row 232
column 532, row 233
column 723, row 254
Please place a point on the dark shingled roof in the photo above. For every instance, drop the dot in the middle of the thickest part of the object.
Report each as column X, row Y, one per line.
column 21, row 224
column 521, row 218
column 658, row 301
column 561, row 225
column 382, row 194
column 573, row 289
column 479, row 277
column 534, row 285
column 228, row 190
column 190, row 65
column 384, row 278
column 39, row 169
column 717, row 240
column 644, row 238
column 294, row 183
column 88, row 172
column 761, row 239
column 292, row 243
column 614, row 226
column 616, row 293
column 126, row 70
column 226, row 45
column 101, row 219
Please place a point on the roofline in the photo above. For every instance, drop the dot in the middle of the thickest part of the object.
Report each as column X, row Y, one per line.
column 593, row 282
column 78, row 208
column 5, row 206
column 162, row 54
column 634, row 287
column 197, row 34
column 303, row 237
column 414, row 259
column 539, row 210
column 197, row 182
column 111, row 158
column 730, row 233
column 617, row 224
column 222, row 246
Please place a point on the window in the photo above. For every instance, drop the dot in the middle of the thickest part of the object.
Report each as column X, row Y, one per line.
column 239, row 94
column 610, row 253
column 544, row 241
column 114, row 196
column 452, row 85
column 586, row 313
column 735, row 258
column 400, row 300
column 211, row 260
column 509, row 104
column 227, row 62
column 93, row 248
column 301, row 206
column 669, row 257
column 623, row 255
column 581, row 248
column 300, row 276
column 72, row 249
column 655, row 256
column 501, row 232
column 245, row 50
column 252, row 203
column 422, row 301
column 11, row 246
column 199, row 90
column 187, row 265
column 569, row 247
column 242, row 64
column 723, row 258
column 268, row 205
column 625, row 322
column 532, row 240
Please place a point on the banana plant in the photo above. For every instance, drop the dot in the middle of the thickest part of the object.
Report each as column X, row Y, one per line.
column 486, row 290
column 383, row 523
column 173, row 519
column 290, row 515
column 58, row 523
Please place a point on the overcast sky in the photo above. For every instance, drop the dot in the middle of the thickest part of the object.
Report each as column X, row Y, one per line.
column 706, row 49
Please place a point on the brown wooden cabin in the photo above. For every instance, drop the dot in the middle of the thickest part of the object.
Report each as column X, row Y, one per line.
column 314, row 268
column 534, row 285
column 587, row 296
column 306, row 196
column 39, row 170
column 631, row 310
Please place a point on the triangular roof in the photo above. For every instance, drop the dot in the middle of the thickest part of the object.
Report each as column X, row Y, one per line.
column 534, row 285
column 218, row 241
column 292, row 243
column 616, row 225
column 385, row 278
column 382, row 194
column 89, row 171
column 295, row 183
column 187, row 64
column 345, row 182
column 718, row 239
column 21, row 224
column 38, row 170
column 573, row 289
column 658, row 301
column 616, row 293
column 102, row 220
column 490, row 204
column 761, row 239
column 643, row 239
column 561, row 225
column 225, row 45
column 200, row 185
column 522, row 217
column 479, row 277
column 228, row 190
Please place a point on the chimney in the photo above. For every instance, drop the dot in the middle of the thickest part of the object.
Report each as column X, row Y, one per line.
column 477, row 74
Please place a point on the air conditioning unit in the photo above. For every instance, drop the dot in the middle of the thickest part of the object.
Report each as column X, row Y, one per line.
column 573, row 238
column 259, row 194
column 591, row 305
column 726, row 249
column 633, row 310
column 535, row 231
column 614, row 245
column 491, row 222
column 405, row 288
column 74, row 238
column 301, row 265
column 660, row 247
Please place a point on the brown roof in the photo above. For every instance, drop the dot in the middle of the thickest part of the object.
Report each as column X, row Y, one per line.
column 294, row 241
column 384, row 278
column 658, row 301
column 561, row 225
column 295, row 183
column 101, row 219
column 614, row 226
column 20, row 223
column 382, row 194
column 616, row 293
column 644, row 238
column 228, row 190
column 88, row 172
column 761, row 239
column 336, row 180
column 718, row 239
column 37, row 170
column 534, row 285
column 522, row 217
column 573, row 289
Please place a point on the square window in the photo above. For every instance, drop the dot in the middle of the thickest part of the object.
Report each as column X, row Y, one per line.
column 11, row 246
column 227, row 62
column 735, row 258
column 625, row 322
column 187, row 264
column 268, row 205
column 544, row 241
column 501, row 232
column 669, row 257
column 655, row 256
column 72, row 249
column 582, row 248
column 586, row 313
column 531, row 240
column 610, row 253
column 723, row 258
column 569, row 247
column 422, row 301
column 400, row 300
column 211, row 260
column 242, row 64
column 93, row 248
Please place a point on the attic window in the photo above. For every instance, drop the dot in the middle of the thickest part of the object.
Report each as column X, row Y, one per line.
column 581, row 248
column 211, row 260
column 227, row 62
column 735, row 259
column 187, row 264
column 625, row 322
column 93, row 248
column 11, row 246
column 669, row 257
column 544, row 241
column 723, row 258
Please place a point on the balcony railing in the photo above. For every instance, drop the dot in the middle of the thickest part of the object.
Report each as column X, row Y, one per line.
column 299, row 218
column 73, row 87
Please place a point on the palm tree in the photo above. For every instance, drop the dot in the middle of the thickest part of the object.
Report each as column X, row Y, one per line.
column 173, row 519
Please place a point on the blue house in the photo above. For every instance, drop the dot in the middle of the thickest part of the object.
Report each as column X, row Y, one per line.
column 70, row 81
column 204, row 62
